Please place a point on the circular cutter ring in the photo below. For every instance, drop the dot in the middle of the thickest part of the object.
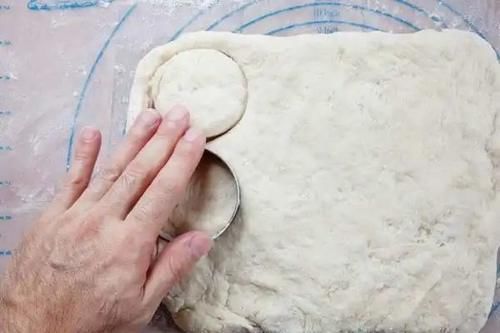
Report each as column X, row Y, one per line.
column 235, row 206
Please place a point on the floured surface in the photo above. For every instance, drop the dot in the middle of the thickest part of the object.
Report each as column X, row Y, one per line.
column 369, row 197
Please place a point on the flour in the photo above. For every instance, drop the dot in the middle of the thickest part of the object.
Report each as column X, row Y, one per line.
column 367, row 163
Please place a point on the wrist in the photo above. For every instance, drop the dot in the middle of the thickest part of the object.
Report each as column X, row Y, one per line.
column 20, row 314
column 11, row 319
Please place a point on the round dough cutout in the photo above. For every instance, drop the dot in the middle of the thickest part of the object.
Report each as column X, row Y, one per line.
column 208, row 82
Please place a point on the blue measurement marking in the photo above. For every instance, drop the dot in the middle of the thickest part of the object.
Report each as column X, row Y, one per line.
column 321, row 29
column 65, row 4
column 329, row 4
column 422, row 11
column 87, row 82
column 5, row 148
column 5, row 183
column 309, row 23
column 5, row 7
column 5, row 42
column 5, row 113
column 5, row 253
column 5, row 217
column 241, row 8
column 5, row 77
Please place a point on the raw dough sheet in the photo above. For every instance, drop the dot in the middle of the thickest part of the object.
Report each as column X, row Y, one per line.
column 368, row 166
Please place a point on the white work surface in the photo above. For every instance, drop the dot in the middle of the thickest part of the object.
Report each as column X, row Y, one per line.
column 67, row 64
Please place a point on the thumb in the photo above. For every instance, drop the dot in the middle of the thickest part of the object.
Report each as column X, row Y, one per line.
column 175, row 261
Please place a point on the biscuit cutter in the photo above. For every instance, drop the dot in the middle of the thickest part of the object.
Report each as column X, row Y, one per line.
column 236, row 205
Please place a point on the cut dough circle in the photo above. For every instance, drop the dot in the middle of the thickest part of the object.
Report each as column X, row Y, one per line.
column 208, row 82
column 211, row 200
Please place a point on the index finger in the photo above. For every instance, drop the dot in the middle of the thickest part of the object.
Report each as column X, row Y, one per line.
column 153, row 209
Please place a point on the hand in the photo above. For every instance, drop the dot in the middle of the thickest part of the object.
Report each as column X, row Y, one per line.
column 90, row 264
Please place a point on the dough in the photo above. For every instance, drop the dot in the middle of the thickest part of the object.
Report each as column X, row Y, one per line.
column 368, row 167
column 209, row 83
column 210, row 201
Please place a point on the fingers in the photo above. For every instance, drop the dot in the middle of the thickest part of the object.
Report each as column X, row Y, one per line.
column 86, row 150
column 139, row 174
column 174, row 262
column 139, row 134
column 166, row 190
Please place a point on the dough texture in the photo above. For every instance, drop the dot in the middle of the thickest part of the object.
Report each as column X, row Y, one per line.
column 368, row 164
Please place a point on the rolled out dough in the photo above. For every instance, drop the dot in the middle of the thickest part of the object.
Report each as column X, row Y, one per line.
column 368, row 165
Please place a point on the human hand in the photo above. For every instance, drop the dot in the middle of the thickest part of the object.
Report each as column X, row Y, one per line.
column 90, row 263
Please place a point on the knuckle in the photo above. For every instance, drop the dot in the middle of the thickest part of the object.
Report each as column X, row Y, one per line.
column 89, row 229
column 128, row 179
column 174, row 268
column 136, row 173
column 144, row 212
column 171, row 128
column 81, row 155
column 171, row 187
column 110, row 174
column 136, row 134
column 167, row 132
column 73, row 183
column 188, row 150
column 76, row 181
column 137, row 169
column 126, row 240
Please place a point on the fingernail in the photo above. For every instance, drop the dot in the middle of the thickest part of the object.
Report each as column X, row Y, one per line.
column 176, row 113
column 192, row 134
column 200, row 245
column 88, row 133
column 149, row 118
